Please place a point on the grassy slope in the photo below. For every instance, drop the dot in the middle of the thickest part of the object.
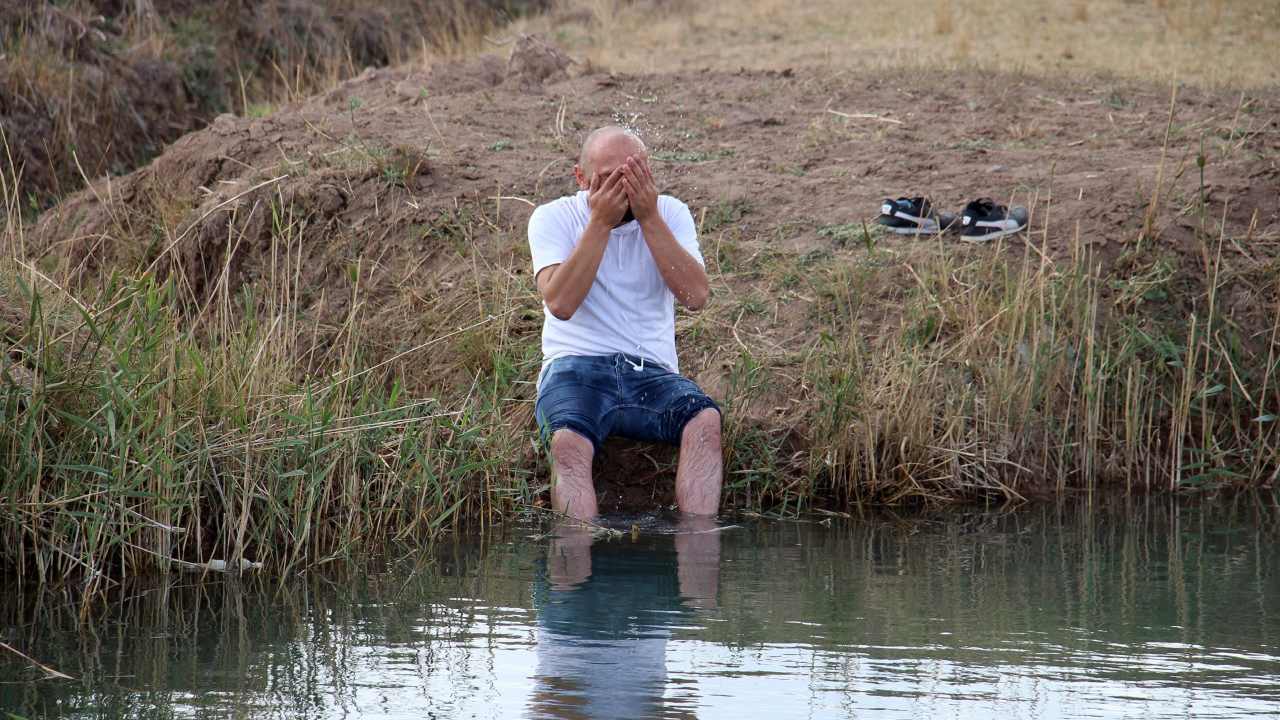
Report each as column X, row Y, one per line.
column 133, row 434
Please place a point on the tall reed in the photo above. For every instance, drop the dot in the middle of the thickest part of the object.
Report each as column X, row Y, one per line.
column 134, row 436
column 1012, row 377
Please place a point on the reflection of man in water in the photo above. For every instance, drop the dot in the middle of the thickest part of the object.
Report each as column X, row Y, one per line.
column 605, row 613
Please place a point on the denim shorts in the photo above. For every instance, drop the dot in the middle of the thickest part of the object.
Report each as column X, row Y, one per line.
column 601, row 395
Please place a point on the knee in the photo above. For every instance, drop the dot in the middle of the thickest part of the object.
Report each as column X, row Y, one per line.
column 568, row 446
column 704, row 427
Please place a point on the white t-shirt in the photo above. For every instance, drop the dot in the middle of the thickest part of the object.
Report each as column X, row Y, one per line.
column 629, row 307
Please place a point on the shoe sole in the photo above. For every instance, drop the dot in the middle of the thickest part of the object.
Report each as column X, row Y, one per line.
column 915, row 231
column 991, row 236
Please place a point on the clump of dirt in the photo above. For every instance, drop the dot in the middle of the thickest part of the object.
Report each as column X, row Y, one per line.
column 398, row 201
column 98, row 87
column 534, row 60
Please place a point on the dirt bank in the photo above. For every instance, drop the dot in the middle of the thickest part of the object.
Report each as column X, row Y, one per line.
column 400, row 199
column 100, row 86
column 769, row 162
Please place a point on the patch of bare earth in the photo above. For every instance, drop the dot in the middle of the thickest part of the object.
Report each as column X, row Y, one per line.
column 418, row 182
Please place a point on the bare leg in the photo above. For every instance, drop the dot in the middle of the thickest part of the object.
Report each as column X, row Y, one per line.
column 699, row 473
column 572, row 492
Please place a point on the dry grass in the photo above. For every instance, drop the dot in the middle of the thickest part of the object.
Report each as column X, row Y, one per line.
column 157, row 424
column 1213, row 44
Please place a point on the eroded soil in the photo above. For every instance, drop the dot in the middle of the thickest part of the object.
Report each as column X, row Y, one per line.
column 420, row 180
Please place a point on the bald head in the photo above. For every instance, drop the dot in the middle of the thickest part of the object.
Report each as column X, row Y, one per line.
column 607, row 148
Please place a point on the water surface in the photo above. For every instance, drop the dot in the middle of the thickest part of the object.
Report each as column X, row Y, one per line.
column 1141, row 611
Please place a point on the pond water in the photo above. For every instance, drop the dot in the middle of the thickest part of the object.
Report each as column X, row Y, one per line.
column 1153, row 611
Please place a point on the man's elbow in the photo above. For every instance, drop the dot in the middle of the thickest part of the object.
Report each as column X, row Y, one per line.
column 697, row 299
column 560, row 311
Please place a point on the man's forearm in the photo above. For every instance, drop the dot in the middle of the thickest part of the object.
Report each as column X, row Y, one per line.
column 680, row 270
column 571, row 280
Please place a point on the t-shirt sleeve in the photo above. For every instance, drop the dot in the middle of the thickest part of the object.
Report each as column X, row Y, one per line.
column 550, row 240
column 680, row 223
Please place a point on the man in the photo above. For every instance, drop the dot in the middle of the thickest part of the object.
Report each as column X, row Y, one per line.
column 610, row 263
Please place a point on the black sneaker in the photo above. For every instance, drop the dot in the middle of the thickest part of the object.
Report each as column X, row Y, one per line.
column 913, row 216
column 983, row 220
